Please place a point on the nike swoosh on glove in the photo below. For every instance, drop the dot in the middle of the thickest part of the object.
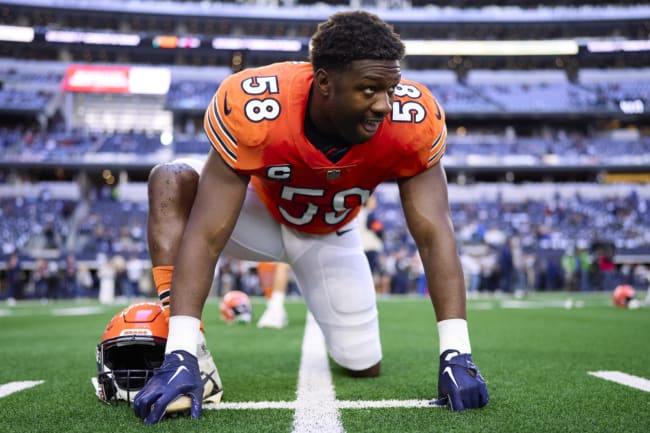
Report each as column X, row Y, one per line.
column 178, row 375
column 460, row 384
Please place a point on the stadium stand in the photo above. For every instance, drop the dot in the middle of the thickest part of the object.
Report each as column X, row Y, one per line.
column 548, row 152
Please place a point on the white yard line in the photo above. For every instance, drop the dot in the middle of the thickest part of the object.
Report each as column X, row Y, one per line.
column 624, row 379
column 379, row 404
column 246, row 405
column 11, row 387
column 316, row 409
column 340, row 404
column 77, row 311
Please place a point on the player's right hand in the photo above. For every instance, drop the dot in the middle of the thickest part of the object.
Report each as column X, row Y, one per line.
column 178, row 376
column 460, row 384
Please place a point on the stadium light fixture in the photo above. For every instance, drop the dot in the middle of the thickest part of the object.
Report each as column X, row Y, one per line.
column 608, row 46
column 558, row 47
column 16, row 33
column 92, row 38
column 256, row 44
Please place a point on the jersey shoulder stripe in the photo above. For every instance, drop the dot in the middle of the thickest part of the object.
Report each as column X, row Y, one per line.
column 218, row 132
column 231, row 138
column 438, row 147
column 439, row 130
column 255, row 109
column 213, row 126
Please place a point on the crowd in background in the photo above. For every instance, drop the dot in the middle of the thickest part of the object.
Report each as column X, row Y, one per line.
column 99, row 250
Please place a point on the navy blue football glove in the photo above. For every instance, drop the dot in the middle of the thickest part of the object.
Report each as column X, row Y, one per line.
column 460, row 384
column 178, row 375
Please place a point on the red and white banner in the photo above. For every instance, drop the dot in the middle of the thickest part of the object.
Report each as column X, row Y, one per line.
column 117, row 79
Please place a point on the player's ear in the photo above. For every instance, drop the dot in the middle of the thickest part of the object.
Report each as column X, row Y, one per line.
column 322, row 81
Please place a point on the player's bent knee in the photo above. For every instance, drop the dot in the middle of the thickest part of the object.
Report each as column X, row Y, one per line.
column 173, row 176
column 356, row 349
column 368, row 372
column 178, row 172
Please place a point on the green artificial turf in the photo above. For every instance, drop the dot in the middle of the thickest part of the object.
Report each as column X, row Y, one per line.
column 534, row 352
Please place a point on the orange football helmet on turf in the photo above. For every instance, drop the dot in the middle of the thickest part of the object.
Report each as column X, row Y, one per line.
column 236, row 307
column 623, row 295
column 132, row 346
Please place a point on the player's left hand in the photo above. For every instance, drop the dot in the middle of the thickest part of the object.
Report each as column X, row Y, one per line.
column 178, row 376
column 460, row 384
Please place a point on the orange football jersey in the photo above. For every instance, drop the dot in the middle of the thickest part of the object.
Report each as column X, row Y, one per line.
column 256, row 122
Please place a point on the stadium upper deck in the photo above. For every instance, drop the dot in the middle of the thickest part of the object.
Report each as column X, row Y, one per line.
column 582, row 95
column 208, row 32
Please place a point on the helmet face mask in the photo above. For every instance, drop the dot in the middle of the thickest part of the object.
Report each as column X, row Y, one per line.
column 132, row 346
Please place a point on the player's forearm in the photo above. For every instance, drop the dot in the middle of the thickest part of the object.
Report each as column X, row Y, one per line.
column 447, row 290
column 193, row 276
column 191, row 284
column 446, row 285
column 208, row 228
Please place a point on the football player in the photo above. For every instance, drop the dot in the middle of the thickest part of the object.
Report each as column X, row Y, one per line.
column 297, row 148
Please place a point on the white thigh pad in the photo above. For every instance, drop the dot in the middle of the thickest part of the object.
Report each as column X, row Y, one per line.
column 334, row 276
column 347, row 280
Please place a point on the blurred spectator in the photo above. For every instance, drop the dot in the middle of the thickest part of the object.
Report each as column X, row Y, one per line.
column 417, row 273
column 554, row 276
column 85, row 281
column 249, row 281
column 13, row 280
column 583, row 262
column 505, row 266
column 227, row 276
column 121, row 280
column 134, row 273
column 541, row 278
column 641, row 276
column 41, row 280
column 70, row 289
column 371, row 229
column 607, row 269
column 383, row 273
column 400, row 281
column 489, row 271
column 54, row 282
column 518, row 266
column 472, row 270
column 570, row 269
column 106, row 275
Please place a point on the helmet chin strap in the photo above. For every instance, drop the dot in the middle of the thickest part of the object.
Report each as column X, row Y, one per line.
column 105, row 391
